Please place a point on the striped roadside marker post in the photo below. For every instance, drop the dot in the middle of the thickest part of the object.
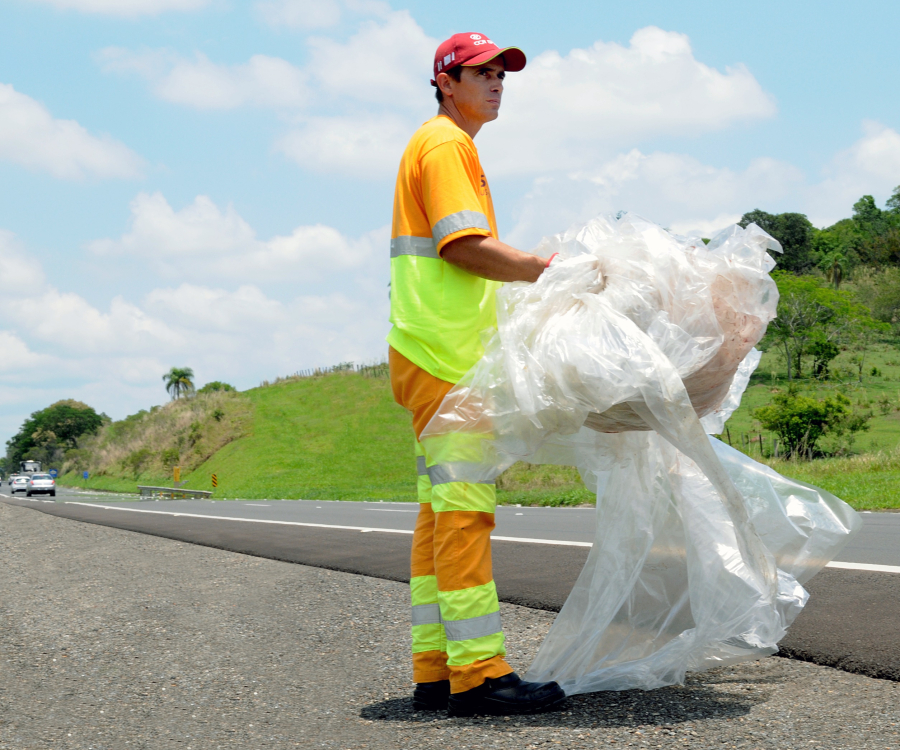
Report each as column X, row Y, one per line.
column 215, row 481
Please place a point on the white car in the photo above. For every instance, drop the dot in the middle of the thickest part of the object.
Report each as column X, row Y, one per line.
column 18, row 484
column 41, row 484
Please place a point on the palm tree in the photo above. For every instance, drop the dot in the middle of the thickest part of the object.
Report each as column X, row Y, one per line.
column 833, row 266
column 179, row 381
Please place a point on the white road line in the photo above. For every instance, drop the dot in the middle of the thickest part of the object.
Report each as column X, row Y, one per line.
column 525, row 540
column 864, row 566
column 368, row 529
column 243, row 520
column 390, row 510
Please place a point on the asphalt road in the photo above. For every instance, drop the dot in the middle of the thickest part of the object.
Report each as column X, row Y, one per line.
column 878, row 544
column 111, row 640
column 850, row 621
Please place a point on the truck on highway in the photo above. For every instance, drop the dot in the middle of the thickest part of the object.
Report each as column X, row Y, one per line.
column 29, row 467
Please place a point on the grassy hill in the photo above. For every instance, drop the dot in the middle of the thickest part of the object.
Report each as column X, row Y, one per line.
column 340, row 436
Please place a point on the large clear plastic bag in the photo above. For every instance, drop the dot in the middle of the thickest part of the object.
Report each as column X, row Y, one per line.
column 609, row 362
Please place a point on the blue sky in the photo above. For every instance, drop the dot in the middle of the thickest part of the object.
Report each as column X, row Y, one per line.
column 209, row 183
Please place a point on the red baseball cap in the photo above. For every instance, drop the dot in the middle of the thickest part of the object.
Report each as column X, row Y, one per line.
column 473, row 49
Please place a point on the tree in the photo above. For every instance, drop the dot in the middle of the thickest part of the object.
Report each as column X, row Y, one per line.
column 795, row 233
column 801, row 421
column 868, row 217
column 179, row 381
column 832, row 265
column 799, row 314
column 47, row 433
column 823, row 352
column 808, row 310
column 892, row 204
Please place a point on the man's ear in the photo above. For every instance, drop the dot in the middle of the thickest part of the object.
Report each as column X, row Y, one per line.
column 444, row 84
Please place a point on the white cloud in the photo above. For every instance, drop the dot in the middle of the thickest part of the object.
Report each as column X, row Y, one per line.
column 69, row 323
column 387, row 62
column 871, row 166
column 262, row 81
column 198, row 229
column 203, row 240
column 674, row 190
column 31, row 137
column 17, row 356
column 17, row 269
column 56, row 345
column 316, row 14
column 363, row 146
column 246, row 309
column 690, row 197
column 562, row 112
column 300, row 14
column 126, row 8
column 388, row 85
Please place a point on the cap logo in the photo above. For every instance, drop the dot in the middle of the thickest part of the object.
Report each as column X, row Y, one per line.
column 474, row 36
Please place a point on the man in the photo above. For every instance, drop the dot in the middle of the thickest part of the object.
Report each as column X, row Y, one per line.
column 446, row 262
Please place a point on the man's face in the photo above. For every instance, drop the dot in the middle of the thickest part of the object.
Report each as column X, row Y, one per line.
column 477, row 93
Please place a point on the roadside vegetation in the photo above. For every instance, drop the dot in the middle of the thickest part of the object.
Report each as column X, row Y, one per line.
column 145, row 447
column 823, row 406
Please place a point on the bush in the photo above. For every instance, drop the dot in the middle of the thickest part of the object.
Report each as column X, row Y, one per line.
column 169, row 457
column 801, row 421
column 216, row 385
column 823, row 352
column 136, row 460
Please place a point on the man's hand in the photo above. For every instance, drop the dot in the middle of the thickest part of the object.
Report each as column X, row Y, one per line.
column 492, row 259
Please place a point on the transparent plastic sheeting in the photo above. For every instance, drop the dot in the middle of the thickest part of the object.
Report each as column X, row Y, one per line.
column 629, row 349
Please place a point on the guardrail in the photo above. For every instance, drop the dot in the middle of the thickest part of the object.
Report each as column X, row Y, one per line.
column 171, row 493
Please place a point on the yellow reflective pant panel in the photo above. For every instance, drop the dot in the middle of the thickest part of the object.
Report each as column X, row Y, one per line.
column 456, row 629
column 429, row 641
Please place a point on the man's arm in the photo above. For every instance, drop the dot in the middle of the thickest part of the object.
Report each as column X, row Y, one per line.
column 492, row 259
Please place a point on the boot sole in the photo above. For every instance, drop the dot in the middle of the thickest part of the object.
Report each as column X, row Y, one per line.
column 489, row 708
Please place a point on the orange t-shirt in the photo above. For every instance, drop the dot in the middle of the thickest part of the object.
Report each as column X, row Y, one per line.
column 439, row 310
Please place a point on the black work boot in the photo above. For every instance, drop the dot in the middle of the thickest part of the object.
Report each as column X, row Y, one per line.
column 431, row 696
column 507, row 696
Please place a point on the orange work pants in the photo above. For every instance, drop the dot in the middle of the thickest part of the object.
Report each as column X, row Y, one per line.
column 451, row 572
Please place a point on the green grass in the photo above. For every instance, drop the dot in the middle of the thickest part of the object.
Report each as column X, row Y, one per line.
column 341, row 437
column 335, row 437
column 867, row 482
column 868, row 478
column 769, row 378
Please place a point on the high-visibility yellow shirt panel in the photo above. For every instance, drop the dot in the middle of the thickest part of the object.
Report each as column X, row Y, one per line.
column 439, row 310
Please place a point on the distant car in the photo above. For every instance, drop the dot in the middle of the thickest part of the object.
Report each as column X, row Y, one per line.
column 18, row 484
column 41, row 484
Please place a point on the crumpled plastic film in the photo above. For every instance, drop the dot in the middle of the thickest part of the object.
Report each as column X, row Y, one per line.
column 630, row 348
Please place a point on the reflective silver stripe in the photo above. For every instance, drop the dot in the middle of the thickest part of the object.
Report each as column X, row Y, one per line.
column 421, row 467
column 426, row 614
column 423, row 247
column 474, row 627
column 455, row 472
column 459, row 220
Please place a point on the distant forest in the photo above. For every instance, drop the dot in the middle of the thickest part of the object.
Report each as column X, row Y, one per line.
column 871, row 237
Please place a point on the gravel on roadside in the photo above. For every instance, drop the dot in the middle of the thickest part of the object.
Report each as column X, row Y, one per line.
column 112, row 639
